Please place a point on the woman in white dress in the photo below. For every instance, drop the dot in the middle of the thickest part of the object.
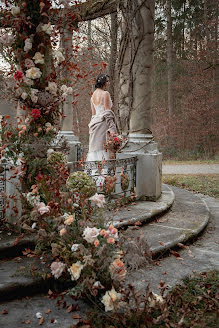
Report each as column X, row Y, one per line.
column 103, row 121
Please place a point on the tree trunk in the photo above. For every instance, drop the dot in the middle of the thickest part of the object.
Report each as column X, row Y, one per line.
column 89, row 34
column 113, row 53
column 169, row 58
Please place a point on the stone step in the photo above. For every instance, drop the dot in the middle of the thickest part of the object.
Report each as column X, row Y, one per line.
column 188, row 217
column 13, row 245
column 143, row 211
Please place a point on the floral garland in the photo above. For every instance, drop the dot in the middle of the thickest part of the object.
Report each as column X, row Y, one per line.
column 56, row 205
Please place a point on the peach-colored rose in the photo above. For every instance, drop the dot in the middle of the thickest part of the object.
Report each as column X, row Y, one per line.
column 103, row 232
column 96, row 243
column 111, row 240
column 117, row 270
column 62, row 232
column 69, row 220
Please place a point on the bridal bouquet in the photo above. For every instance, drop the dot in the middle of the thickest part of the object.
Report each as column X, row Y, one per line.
column 113, row 143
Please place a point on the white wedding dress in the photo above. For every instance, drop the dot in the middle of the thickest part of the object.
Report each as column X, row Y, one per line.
column 98, row 155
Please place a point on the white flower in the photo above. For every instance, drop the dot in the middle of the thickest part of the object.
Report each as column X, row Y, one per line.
column 50, row 151
column 48, row 125
column 42, row 208
column 58, row 55
column 39, row 315
column 15, row 11
column 47, row 28
column 7, row 39
column 33, row 73
column 90, row 234
column 33, row 199
column 64, row 88
column 75, row 247
column 33, row 225
column 38, row 58
column 27, row 45
column 75, row 270
column 24, row 95
column 155, row 299
column 27, row 81
column 57, row 268
column 33, row 95
column 110, row 298
column 52, row 88
column 98, row 199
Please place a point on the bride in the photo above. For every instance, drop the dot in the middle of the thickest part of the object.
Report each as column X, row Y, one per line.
column 103, row 121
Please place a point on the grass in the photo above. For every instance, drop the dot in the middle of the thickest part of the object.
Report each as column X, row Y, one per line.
column 204, row 184
column 190, row 162
column 192, row 304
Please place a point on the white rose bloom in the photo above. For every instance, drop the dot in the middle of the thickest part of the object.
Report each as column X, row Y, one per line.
column 90, row 234
column 33, row 73
column 27, row 81
column 33, row 95
column 38, row 58
column 47, row 28
column 27, row 45
column 15, row 11
column 74, row 247
column 24, row 95
column 52, row 88
column 64, row 88
column 50, row 151
column 110, row 298
column 33, row 199
column 69, row 90
column 48, row 125
column 58, row 55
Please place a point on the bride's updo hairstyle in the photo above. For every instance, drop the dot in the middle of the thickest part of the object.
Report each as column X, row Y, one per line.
column 101, row 81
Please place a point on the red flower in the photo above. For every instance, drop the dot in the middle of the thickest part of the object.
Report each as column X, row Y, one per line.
column 36, row 113
column 115, row 139
column 39, row 176
column 18, row 75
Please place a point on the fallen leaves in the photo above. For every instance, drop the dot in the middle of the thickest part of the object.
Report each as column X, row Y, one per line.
column 4, row 311
column 41, row 321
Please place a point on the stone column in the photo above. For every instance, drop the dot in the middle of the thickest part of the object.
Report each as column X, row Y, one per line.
column 67, row 124
column 140, row 15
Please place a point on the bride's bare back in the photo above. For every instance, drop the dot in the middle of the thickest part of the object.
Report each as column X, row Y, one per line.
column 100, row 98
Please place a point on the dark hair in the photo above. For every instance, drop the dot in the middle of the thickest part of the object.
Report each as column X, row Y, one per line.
column 101, row 80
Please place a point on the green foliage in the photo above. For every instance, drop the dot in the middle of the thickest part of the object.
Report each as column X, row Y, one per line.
column 83, row 184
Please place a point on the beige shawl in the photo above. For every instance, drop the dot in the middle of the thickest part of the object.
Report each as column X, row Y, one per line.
column 99, row 126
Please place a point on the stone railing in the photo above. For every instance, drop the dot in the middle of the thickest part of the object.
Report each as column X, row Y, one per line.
column 113, row 177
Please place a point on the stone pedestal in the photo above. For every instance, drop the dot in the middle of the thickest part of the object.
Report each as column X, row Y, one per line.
column 73, row 143
column 149, row 165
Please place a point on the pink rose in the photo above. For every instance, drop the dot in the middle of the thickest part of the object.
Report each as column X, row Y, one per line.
column 98, row 199
column 57, row 268
column 43, row 209
column 28, row 63
column 91, row 234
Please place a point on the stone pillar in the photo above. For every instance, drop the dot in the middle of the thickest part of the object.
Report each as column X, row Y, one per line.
column 67, row 123
column 140, row 15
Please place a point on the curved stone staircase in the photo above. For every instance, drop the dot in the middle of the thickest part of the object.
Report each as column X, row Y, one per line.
column 173, row 219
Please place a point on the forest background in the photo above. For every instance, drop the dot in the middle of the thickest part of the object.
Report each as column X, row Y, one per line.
column 185, row 77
